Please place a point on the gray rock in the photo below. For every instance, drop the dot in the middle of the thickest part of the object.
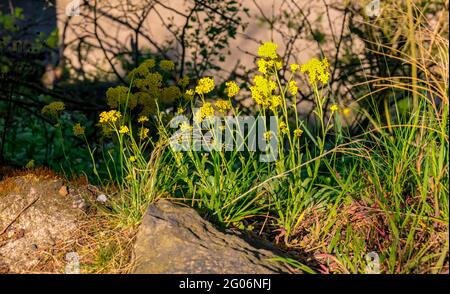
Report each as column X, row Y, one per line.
column 175, row 239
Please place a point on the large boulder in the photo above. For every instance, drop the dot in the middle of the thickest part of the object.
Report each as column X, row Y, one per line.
column 175, row 239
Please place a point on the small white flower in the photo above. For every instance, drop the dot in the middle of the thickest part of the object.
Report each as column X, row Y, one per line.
column 102, row 198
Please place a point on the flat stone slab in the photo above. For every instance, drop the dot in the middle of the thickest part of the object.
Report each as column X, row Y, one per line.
column 174, row 239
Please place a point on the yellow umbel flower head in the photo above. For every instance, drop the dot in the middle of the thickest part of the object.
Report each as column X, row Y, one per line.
column 283, row 127
column 262, row 90
column 109, row 116
column 268, row 50
column 294, row 67
column 293, row 89
column 167, row 64
column 298, row 132
column 275, row 102
column 143, row 69
column 231, row 89
column 118, row 96
column 78, row 130
column 334, row 108
column 316, row 70
column 143, row 133
column 124, row 130
column 204, row 112
column 142, row 119
column 223, row 105
column 204, row 86
column 170, row 94
column 183, row 82
column 189, row 94
column 54, row 108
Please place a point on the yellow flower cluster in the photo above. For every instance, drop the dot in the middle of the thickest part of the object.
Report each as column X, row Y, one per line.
column 283, row 127
column 204, row 86
column 109, row 116
column 231, row 89
column 183, row 82
column 223, row 105
column 167, row 64
column 78, row 130
column 150, row 83
column 298, row 132
column 132, row 158
column 205, row 111
column 189, row 94
column 118, row 96
column 124, row 130
column 317, row 70
column 268, row 50
column 143, row 69
column 334, row 108
column 292, row 86
column 143, row 133
column 294, row 67
column 53, row 108
column 267, row 135
column 142, row 119
column 265, row 65
column 147, row 101
column 170, row 94
column 180, row 110
column 262, row 90
column 30, row 164
column 275, row 102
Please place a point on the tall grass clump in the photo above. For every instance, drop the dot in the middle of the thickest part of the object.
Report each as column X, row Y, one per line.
column 372, row 201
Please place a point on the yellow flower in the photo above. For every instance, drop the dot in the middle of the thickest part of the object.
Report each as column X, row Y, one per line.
column 204, row 86
column 30, row 164
column 185, row 126
column 316, row 70
column 170, row 94
column 293, row 89
column 142, row 119
column 298, row 132
column 268, row 50
column 109, row 116
column 346, row 111
column 223, row 105
column 143, row 69
column 294, row 67
column 53, row 108
column 267, row 135
column 183, row 82
column 262, row 66
column 151, row 83
column 205, row 111
column 334, row 107
column 143, row 133
column 275, row 102
column 132, row 158
column 283, row 127
column 167, row 64
column 189, row 94
column 231, row 89
column 78, row 130
column 124, row 130
column 180, row 110
column 118, row 96
column 262, row 90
